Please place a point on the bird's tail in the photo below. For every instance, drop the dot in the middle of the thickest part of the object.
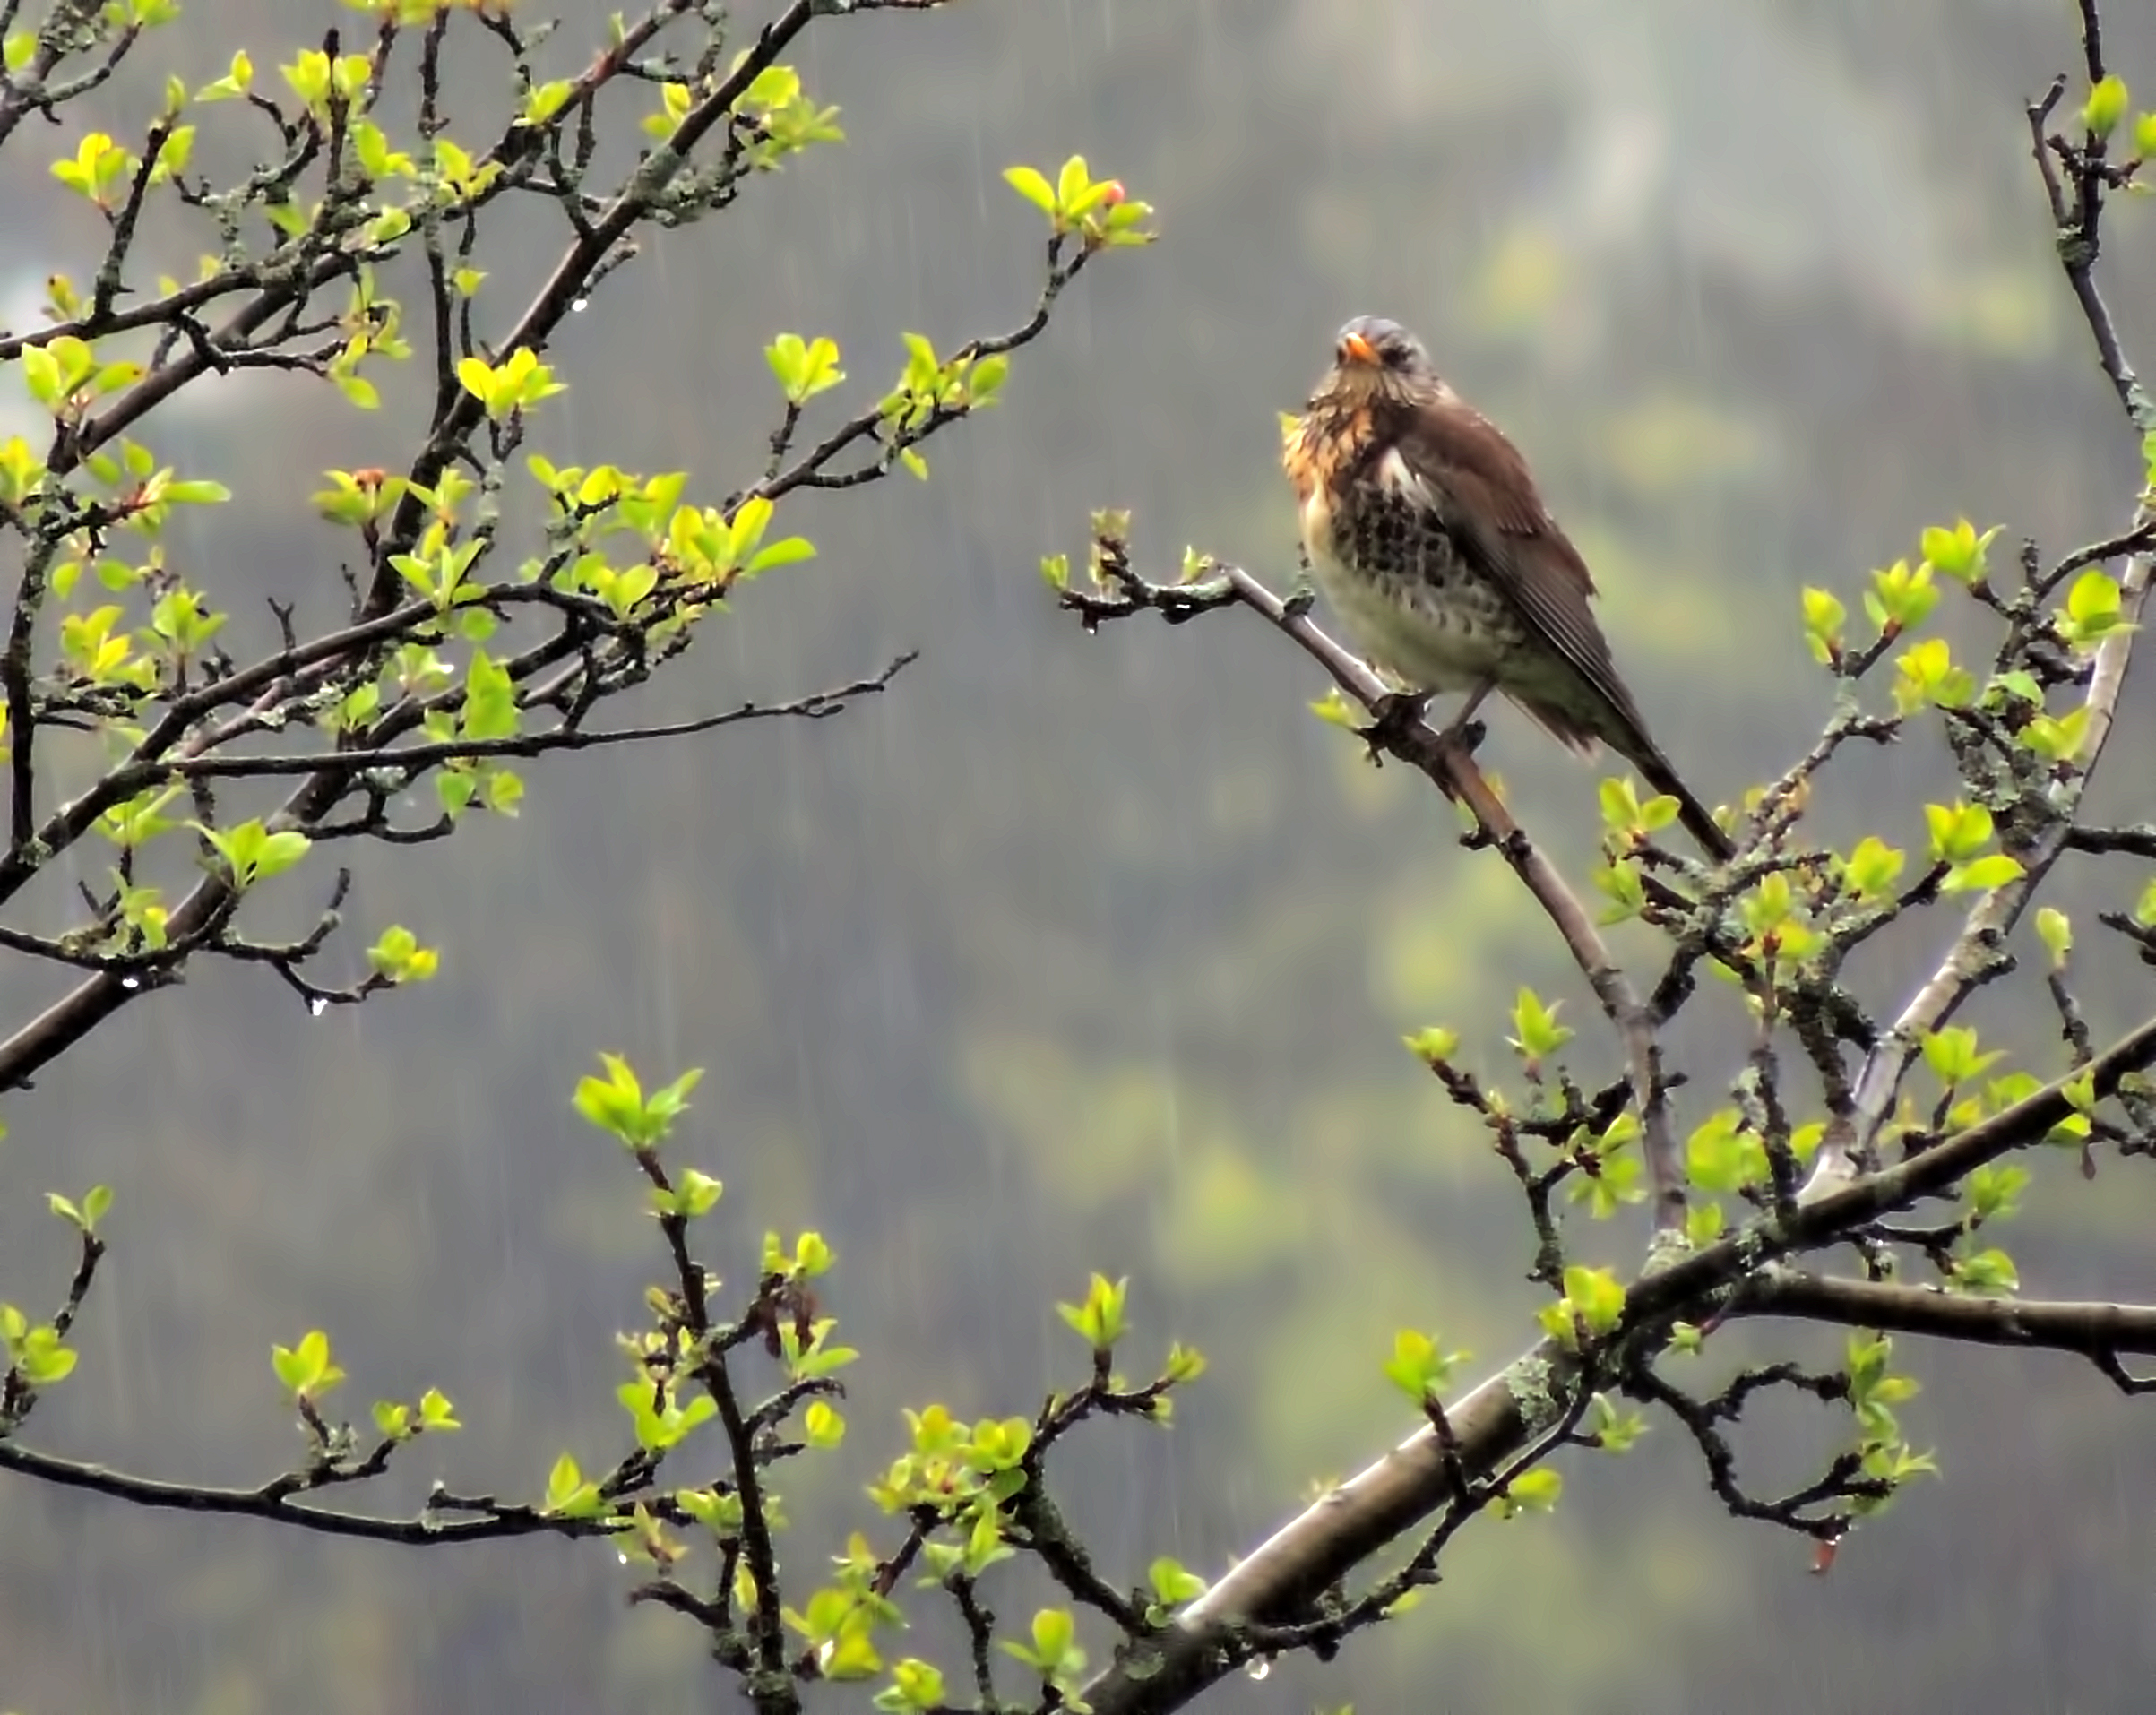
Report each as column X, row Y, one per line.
column 1643, row 753
column 1655, row 769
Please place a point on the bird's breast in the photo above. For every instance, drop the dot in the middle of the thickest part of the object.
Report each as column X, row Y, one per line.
column 1403, row 590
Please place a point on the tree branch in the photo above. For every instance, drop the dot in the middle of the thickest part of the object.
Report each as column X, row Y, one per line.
column 1453, row 769
column 1505, row 1412
column 2092, row 1330
column 817, row 705
column 273, row 1501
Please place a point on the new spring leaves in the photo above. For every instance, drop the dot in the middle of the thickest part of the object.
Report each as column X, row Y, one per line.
column 1901, row 599
column 623, row 553
column 2106, row 109
column 1096, row 211
column 308, row 1371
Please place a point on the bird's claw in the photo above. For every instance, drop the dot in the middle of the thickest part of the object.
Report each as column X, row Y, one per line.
column 1302, row 596
column 1465, row 736
column 1393, row 716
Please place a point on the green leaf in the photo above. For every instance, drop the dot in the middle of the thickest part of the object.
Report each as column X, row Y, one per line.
column 1054, row 1652
column 1054, row 1633
column 1952, row 1055
column 1033, row 186
column 1927, row 675
column 2058, row 738
column 40, row 1355
column 436, row 1413
column 1536, row 1033
column 1901, row 597
column 1534, row 1491
column 1174, row 1582
column 1071, row 185
column 1981, row 875
column 1990, row 1272
column 1723, row 1156
column 1959, row 831
column 2093, row 611
column 613, row 1103
column 787, row 356
column 544, row 101
column 791, row 550
column 1434, row 1046
column 306, row 1369
column 1615, row 1431
column 2055, row 928
column 986, row 376
column 399, row 957
column 490, row 710
column 252, row 853
column 616, row 1104
column 698, row 1193
column 669, row 1103
column 279, row 851
column 568, row 1495
column 455, row 789
column 751, row 519
column 1595, row 1295
column 1958, row 552
column 1995, row 1190
column 1624, row 885
column 196, row 492
column 1419, row 1368
column 1872, row 869
column 914, row 1684
column 1100, row 1320
column 41, row 373
column 2106, row 106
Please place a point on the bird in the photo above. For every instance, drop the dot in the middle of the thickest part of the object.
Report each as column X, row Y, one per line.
column 1423, row 530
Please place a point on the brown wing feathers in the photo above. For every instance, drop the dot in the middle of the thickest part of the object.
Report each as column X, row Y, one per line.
column 1497, row 514
column 1500, row 517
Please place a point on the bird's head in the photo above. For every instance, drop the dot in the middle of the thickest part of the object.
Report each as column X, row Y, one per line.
column 1373, row 359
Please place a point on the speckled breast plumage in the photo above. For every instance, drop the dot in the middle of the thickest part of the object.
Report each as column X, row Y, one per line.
column 1387, row 565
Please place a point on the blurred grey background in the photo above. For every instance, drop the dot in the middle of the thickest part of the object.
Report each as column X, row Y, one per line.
column 1081, row 953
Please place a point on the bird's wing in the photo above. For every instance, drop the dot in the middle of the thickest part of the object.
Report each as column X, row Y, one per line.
column 1479, row 485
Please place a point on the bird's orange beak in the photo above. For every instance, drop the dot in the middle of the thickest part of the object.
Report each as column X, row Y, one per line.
column 1358, row 349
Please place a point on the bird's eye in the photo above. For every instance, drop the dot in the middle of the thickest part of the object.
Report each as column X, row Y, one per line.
column 1395, row 356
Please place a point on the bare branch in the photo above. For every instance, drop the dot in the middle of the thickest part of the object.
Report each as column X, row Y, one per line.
column 411, row 760
column 2092, row 1329
column 274, row 1502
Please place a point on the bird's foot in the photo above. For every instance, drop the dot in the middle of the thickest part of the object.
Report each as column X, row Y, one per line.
column 1302, row 596
column 1465, row 736
column 1393, row 714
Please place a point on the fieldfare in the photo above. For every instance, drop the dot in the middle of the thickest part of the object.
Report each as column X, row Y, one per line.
column 1425, row 532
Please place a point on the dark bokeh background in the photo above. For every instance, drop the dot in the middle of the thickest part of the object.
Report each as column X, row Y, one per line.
column 1079, row 953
